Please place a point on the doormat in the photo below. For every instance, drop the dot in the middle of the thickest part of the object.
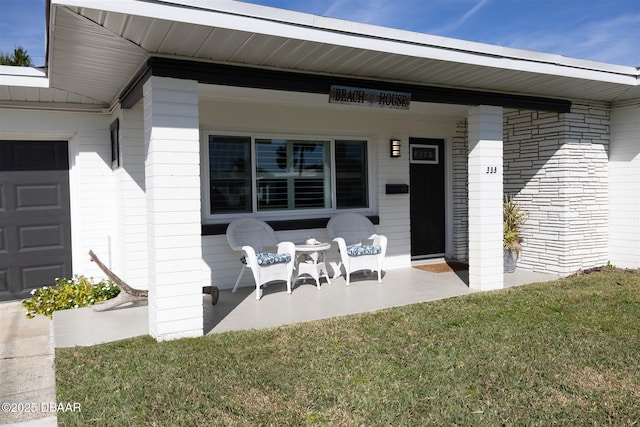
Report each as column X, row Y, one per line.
column 444, row 267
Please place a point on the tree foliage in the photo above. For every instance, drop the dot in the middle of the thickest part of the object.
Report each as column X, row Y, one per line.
column 19, row 58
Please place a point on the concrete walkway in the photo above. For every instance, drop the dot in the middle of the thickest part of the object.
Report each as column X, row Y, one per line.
column 27, row 374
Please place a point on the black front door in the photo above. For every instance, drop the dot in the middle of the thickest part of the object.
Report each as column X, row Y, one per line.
column 427, row 180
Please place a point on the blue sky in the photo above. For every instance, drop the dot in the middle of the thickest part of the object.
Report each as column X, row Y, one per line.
column 600, row 30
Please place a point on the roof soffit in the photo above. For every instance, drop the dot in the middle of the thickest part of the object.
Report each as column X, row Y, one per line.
column 89, row 59
column 134, row 29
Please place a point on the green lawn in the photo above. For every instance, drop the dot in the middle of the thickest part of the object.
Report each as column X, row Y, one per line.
column 559, row 353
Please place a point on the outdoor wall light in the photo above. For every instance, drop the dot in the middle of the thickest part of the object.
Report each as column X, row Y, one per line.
column 395, row 148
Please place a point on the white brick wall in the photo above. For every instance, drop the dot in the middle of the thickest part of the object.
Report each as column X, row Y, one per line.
column 172, row 182
column 485, row 198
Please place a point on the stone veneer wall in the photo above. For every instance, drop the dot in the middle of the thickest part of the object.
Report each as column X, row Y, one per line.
column 556, row 166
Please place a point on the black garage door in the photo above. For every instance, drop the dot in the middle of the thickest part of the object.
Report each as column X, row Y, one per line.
column 35, row 228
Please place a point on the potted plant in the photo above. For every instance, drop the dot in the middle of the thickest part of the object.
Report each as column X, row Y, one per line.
column 512, row 219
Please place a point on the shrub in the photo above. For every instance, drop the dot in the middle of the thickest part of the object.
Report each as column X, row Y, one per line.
column 68, row 293
column 512, row 219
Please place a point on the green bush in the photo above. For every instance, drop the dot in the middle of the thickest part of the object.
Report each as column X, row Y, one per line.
column 68, row 293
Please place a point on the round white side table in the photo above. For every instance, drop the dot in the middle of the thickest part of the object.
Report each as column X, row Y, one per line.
column 310, row 261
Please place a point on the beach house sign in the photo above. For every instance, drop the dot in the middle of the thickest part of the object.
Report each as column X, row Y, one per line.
column 376, row 98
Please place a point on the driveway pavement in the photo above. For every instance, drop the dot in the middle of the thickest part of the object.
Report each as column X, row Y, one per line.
column 27, row 376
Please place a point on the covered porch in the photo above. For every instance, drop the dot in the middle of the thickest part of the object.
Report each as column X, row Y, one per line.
column 241, row 311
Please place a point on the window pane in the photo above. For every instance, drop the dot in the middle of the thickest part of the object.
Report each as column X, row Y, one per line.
column 272, row 194
column 310, row 181
column 292, row 174
column 271, row 174
column 289, row 174
column 230, row 174
column 271, row 158
column 308, row 158
column 309, row 193
column 351, row 174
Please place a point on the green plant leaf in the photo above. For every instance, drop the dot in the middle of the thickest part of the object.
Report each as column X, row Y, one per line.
column 68, row 293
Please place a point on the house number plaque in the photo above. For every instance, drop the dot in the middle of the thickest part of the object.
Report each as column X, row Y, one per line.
column 422, row 153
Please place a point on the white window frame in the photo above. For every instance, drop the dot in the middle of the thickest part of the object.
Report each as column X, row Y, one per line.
column 209, row 218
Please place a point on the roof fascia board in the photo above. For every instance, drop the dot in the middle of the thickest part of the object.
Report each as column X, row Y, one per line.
column 232, row 75
column 375, row 31
column 235, row 15
column 53, row 106
column 132, row 93
column 23, row 76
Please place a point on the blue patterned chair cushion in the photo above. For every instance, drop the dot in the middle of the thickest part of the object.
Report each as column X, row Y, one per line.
column 358, row 249
column 268, row 258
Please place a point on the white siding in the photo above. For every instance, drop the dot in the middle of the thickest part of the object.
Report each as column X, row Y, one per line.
column 90, row 175
column 92, row 201
column 130, row 257
column 624, row 187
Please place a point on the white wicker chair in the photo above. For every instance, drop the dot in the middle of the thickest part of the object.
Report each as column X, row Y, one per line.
column 259, row 246
column 350, row 230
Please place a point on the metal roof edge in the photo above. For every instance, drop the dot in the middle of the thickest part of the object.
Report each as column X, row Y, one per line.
column 53, row 106
column 377, row 31
column 23, row 76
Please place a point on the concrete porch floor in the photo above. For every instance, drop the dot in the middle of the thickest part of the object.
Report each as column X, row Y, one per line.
column 241, row 311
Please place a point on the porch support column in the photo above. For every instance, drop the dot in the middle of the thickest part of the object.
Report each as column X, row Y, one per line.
column 485, row 198
column 172, row 180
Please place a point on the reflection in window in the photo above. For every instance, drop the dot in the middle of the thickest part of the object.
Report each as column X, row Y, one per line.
column 230, row 174
column 351, row 174
column 286, row 174
column 292, row 174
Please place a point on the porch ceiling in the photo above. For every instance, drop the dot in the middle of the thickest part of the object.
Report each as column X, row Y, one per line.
column 96, row 47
